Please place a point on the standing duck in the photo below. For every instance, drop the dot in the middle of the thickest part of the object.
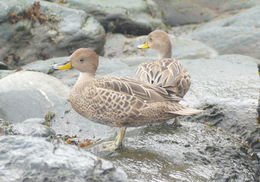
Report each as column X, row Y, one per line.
column 165, row 72
column 118, row 101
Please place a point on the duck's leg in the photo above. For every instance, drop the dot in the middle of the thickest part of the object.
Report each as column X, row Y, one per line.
column 176, row 122
column 114, row 145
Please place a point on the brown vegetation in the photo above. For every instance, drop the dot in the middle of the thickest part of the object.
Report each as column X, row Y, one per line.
column 33, row 13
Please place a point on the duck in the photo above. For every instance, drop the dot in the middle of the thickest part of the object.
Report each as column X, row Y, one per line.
column 165, row 72
column 118, row 100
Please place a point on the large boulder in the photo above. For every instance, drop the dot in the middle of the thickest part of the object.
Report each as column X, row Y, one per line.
column 28, row 94
column 195, row 11
column 34, row 159
column 238, row 34
column 33, row 30
column 129, row 17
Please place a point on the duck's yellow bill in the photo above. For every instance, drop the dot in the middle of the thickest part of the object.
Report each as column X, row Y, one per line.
column 65, row 66
column 144, row 46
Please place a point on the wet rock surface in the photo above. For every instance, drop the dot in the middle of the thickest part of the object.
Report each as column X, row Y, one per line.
column 231, row 101
column 35, row 159
column 190, row 152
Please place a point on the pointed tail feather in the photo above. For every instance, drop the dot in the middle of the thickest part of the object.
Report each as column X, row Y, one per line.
column 186, row 111
column 176, row 98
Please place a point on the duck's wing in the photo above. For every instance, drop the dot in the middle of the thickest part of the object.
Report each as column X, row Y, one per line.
column 129, row 86
column 167, row 73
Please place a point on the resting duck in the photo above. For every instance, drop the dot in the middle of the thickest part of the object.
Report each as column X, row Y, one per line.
column 118, row 101
column 165, row 72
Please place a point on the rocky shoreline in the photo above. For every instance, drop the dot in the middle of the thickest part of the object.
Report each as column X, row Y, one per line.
column 218, row 43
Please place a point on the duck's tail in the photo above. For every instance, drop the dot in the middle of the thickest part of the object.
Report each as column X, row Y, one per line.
column 185, row 111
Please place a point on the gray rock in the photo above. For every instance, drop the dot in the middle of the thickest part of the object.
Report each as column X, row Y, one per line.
column 11, row 6
column 44, row 66
column 55, row 32
column 32, row 127
column 258, row 108
column 34, row 159
column 128, row 17
column 184, row 30
column 27, row 94
column 221, row 6
column 120, row 46
column 3, row 66
column 231, row 40
column 4, row 73
column 68, row 77
column 184, row 12
column 195, row 11
column 228, row 86
column 252, row 139
column 246, row 18
column 238, row 34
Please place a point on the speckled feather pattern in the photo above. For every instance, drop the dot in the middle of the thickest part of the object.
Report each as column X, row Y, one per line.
column 167, row 73
column 122, row 101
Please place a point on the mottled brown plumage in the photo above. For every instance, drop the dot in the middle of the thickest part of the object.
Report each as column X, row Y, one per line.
column 119, row 101
column 122, row 101
column 165, row 72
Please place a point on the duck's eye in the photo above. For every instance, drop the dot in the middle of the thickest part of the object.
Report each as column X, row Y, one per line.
column 150, row 39
column 81, row 60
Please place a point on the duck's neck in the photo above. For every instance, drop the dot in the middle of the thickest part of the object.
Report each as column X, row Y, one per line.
column 166, row 52
column 84, row 77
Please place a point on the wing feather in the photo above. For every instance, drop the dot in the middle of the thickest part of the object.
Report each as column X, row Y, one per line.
column 167, row 73
column 129, row 86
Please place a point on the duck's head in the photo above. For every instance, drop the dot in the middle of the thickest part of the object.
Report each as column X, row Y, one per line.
column 84, row 59
column 160, row 41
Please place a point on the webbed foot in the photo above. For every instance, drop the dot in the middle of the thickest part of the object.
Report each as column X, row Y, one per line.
column 114, row 145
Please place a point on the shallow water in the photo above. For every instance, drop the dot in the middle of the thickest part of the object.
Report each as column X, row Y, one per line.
column 164, row 152
column 147, row 166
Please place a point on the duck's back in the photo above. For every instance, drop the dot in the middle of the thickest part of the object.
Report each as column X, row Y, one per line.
column 123, row 101
column 167, row 73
